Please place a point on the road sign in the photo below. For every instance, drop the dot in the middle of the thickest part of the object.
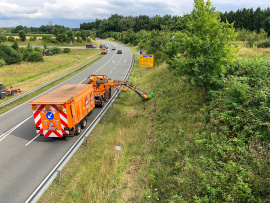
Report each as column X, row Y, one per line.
column 147, row 60
column 147, row 64
column 146, row 57
column 140, row 52
column 49, row 115
column 117, row 148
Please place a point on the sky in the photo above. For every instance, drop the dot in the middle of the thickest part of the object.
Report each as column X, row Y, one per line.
column 71, row 13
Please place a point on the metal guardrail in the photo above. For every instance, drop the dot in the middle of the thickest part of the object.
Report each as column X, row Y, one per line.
column 35, row 196
column 44, row 85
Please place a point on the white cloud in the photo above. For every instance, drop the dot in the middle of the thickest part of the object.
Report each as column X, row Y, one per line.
column 54, row 10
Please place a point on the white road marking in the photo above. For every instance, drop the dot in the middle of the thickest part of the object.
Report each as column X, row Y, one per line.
column 114, row 68
column 32, row 140
column 3, row 136
column 110, row 72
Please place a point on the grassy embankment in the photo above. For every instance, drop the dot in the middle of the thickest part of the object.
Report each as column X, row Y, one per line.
column 94, row 174
column 27, row 76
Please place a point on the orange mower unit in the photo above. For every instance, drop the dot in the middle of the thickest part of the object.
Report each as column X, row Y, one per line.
column 103, row 86
column 63, row 111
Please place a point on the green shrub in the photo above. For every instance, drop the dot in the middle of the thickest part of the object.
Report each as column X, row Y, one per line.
column 2, row 62
column 49, row 39
column 15, row 45
column 241, row 108
column 55, row 50
column 22, row 35
column 9, row 55
column 35, row 56
column 38, row 49
column 3, row 38
column 33, row 38
column 264, row 44
column 11, row 39
column 66, row 50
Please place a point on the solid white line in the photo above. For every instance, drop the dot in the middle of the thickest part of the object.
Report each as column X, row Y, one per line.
column 32, row 140
column 3, row 136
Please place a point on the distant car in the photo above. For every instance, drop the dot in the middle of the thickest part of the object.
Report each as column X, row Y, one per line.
column 113, row 48
column 119, row 51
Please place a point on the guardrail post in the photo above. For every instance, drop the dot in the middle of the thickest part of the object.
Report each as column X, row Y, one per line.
column 59, row 176
column 85, row 141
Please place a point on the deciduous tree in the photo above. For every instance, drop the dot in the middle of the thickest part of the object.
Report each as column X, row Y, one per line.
column 205, row 48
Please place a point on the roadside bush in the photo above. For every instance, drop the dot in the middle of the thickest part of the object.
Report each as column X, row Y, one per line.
column 241, row 108
column 26, row 52
column 55, row 50
column 160, row 57
column 49, row 39
column 22, row 35
column 2, row 62
column 264, row 44
column 35, row 56
column 9, row 55
column 15, row 45
column 11, row 39
column 66, row 50
column 37, row 49
column 33, row 38
column 62, row 38
column 3, row 38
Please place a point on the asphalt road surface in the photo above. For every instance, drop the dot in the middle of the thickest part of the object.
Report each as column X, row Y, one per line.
column 25, row 158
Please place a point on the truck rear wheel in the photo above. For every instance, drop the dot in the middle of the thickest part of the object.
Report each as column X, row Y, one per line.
column 83, row 123
column 110, row 93
column 77, row 129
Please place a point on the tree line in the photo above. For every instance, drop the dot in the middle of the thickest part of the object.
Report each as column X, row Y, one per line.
column 249, row 19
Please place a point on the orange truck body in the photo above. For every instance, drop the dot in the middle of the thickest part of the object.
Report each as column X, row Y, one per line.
column 60, row 112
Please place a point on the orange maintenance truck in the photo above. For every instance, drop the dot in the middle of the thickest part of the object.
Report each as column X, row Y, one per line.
column 63, row 111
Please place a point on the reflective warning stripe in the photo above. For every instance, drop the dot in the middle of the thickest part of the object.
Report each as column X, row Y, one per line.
column 51, row 133
column 37, row 118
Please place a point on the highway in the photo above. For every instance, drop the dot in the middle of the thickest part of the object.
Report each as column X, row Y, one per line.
column 25, row 158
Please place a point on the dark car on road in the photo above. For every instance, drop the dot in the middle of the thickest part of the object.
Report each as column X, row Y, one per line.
column 113, row 48
column 119, row 51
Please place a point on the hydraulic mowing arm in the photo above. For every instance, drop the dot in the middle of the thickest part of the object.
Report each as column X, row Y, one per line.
column 102, row 81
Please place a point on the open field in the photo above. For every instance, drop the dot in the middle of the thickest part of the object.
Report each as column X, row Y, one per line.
column 27, row 76
column 40, row 42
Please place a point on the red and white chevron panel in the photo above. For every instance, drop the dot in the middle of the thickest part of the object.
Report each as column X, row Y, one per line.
column 51, row 133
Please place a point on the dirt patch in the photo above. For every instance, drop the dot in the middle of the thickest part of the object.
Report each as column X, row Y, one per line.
column 262, row 49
